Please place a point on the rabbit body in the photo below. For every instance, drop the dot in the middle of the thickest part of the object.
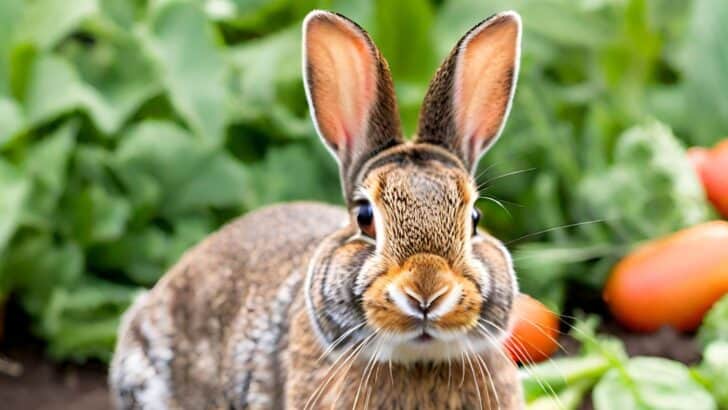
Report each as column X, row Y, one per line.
column 397, row 301
column 227, row 327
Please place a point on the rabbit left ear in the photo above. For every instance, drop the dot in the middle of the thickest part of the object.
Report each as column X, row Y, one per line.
column 349, row 90
column 468, row 101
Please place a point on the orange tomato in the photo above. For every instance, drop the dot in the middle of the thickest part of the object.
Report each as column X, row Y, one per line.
column 535, row 329
column 714, row 175
column 672, row 280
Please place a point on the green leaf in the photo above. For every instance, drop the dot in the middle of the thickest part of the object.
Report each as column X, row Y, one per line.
column 553, row 376
column 14, row 189
column 98, row 216
column 10, row 14
column 267, row 90
column 123, row 13
column 188, row 174
column 142, row 255
column 53, row 88
column 37, row 264
column 81, row 321
column 192, row 66
column 650, row 190
column 704, row 62
column 568, row 399
column 651, row 383
column 145, row 254
column 11, row 120
column 402, row 33
column 46, row 163
column 714, row 369
column 557, row 21
column 115, row 79
column 271, row 180
column 715, row 323
column 46, row 22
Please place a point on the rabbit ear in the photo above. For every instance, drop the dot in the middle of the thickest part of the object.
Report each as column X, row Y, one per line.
column 349, row 90
column 468, row 101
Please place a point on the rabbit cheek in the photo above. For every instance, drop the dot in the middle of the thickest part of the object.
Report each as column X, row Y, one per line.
column 381, row 312
column 502, row 284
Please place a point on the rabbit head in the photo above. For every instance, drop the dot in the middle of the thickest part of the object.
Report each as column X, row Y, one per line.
column 409, row 277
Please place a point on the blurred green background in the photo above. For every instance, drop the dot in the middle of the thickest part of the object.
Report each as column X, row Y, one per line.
column 129, row 129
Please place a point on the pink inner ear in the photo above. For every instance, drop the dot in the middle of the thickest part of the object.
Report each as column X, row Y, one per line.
column 343, row 86
column 484, row 82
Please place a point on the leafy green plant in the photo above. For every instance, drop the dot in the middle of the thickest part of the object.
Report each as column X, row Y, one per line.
column 129, row 129
column 617, row 381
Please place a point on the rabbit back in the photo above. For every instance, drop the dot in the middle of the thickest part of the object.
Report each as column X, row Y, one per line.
column 209, row 334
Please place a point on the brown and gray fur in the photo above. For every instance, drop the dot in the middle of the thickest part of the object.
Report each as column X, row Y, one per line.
column 294, row 306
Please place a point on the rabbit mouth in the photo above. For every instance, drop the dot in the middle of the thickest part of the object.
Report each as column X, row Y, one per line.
column 427, row 345
column 424, row 337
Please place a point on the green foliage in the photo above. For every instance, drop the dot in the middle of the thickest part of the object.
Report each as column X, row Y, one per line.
column 713, row 371
column 647, row 190
column 651, row 383
column 129, row 129
column 715, row 323
column 620, row 382
column 713, row 334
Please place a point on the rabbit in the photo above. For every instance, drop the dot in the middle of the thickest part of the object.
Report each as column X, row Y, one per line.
column 397, row 301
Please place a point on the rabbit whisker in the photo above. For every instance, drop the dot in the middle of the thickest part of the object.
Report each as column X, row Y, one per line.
column 475, row 378
column 365, row 375
column 351, row 362
column 497, row 202
column 507, row 174
column 483, row 172
column 555, row 228
column 449, row 372
column 519, row 346
column 335, row 368
column 376, row 374
column 462, row 377
column 340, row 339
column 482, row 365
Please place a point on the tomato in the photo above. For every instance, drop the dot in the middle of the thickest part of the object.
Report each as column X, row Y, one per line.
column 672, row 280
column 535, row 329
column 714, row 175
column 698, row 157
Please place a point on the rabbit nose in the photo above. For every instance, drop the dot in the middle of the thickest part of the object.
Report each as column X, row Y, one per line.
column 425, row 306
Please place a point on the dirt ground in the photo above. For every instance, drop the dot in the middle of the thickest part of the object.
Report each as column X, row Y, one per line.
column 34, row 382
column 46, row 386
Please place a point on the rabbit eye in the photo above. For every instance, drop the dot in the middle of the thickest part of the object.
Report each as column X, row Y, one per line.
column 476, row 218
column 365, row 218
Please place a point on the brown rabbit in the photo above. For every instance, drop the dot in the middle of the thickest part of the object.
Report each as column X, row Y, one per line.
column 396, row 302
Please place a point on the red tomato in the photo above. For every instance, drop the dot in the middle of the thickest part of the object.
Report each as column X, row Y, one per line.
column 672, row 280
column 714, row 175
column 698, row 156
column 535, row 330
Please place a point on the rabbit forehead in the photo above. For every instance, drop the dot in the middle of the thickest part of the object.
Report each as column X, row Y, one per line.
column 424, row 206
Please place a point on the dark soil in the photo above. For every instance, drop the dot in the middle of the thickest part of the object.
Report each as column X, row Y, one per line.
column 31, row 381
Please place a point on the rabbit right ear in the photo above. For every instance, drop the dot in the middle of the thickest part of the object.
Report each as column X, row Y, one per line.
column 468, row 101
column 349, row 90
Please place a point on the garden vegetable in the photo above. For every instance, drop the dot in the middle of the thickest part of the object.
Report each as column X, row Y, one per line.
column 712, row 167
column 698, row 156
column 671, row 281
column 534, row 331
column 651, row 383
